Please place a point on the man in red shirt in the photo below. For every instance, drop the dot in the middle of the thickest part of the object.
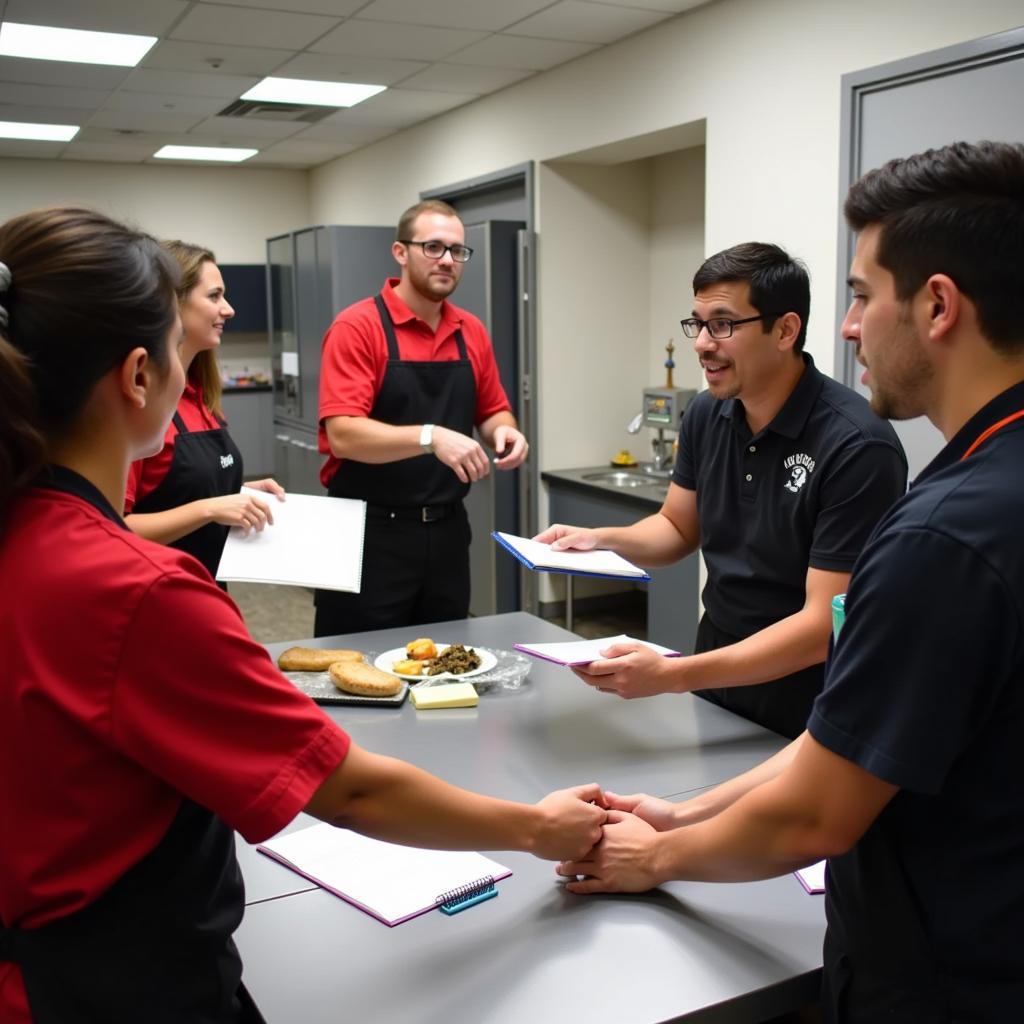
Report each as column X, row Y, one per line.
column 405, row 377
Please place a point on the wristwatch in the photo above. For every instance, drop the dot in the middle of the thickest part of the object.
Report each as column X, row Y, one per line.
column 427, row 438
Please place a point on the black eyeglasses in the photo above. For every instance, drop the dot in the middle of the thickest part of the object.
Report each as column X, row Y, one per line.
column 435, row 249
column 718, row 327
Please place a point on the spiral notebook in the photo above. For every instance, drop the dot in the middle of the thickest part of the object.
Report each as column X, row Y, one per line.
column 389, row 882
column 314, row 541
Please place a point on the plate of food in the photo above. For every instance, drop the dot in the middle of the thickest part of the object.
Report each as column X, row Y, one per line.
column 424, row 659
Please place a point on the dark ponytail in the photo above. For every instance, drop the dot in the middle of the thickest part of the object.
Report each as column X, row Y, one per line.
column 83, row 291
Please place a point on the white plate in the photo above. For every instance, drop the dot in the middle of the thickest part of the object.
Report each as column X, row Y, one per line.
column 386, row 661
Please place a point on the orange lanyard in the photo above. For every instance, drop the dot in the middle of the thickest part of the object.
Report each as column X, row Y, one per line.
column 982, row 438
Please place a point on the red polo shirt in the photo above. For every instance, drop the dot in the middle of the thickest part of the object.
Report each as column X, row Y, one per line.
column 355, row 355
column 128, row 681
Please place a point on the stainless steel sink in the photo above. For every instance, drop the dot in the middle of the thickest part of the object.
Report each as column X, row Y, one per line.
column 618, row 478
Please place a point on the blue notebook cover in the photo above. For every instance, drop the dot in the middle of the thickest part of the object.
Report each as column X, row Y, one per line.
column 628, row 571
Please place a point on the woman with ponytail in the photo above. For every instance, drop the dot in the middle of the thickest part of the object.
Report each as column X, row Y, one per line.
column 139, row 723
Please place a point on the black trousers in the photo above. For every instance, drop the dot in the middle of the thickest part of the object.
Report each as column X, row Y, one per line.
column 783, row 705
column 413, row 572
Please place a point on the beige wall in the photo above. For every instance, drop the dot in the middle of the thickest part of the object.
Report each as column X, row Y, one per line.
column 231, row 210
column 763, row 74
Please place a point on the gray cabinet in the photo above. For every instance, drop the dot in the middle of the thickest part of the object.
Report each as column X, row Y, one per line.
column 673, row 591
column 296, row 460
column 250, row 416
column 312, row 274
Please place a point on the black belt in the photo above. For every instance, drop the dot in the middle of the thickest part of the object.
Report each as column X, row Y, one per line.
column 415, row 514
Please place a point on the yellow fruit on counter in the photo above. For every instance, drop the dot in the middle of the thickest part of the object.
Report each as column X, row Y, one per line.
column 623, row 457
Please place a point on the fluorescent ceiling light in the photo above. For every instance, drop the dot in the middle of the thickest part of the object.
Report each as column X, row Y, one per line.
column 43, row 132
column 321, row 94
column 71, row 44
column 223, row 153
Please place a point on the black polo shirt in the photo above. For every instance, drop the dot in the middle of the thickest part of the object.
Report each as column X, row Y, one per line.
column 925, row 690
column 805, row 491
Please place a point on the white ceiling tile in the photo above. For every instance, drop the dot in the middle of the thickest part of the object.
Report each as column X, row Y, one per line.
column 175, row 55
column 135, row 120
column 114, row 152
column 520, row 52
column 356, row 133
column 245, row 26
column 142, row 17
column 30, row 148
column 402, row 107
column 54, row 72
column 199, row 106
column 669, row 6
column 337, row 8
column 465, row 78
column 394, row 41
column 43, row 115
column 113, row 136
column 53, row 96
column 583, row 22
column 187, row 83
column 487, row 15
column 252, row 127
column 330, row 67
column 293, row 153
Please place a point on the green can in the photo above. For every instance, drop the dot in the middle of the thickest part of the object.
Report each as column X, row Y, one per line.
column 838, row 613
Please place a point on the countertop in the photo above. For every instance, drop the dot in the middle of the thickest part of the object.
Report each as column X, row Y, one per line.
column 649, row 491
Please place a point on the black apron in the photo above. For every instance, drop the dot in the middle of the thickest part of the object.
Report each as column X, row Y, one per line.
column 443, row 393
column 155, row 947
column 206, row 464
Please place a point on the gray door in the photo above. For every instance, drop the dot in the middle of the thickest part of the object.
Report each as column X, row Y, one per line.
column 490, row 288
column 965, row 93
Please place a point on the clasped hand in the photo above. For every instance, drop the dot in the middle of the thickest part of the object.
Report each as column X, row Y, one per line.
column 623, row 859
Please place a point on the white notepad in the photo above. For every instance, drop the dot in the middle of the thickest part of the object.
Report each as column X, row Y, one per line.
column 812, row 877
column 535, row 555
column 315, row 541
column 391, row 883
column 583, row 652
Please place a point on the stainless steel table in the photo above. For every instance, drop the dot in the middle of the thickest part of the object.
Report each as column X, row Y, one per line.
column 699, row 952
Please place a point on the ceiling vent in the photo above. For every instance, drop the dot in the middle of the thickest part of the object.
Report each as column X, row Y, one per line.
column 262, row 110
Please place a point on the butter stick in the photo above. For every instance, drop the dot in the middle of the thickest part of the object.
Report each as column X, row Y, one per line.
column 449, row 695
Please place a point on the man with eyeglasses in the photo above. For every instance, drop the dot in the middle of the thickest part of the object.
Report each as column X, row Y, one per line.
column 405, row 377
column 908, row 777
column 781, row 475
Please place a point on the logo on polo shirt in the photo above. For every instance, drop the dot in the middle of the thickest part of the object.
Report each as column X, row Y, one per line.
column 800, row 468
column 226, row 461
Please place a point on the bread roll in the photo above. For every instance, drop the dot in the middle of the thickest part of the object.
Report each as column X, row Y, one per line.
column 314, row 659
column 421, row 650
column 364, row 680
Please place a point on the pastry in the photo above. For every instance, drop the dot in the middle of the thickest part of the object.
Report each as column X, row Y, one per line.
column 364, row 680
column 314, row 659
column 408, row 668
column 421, row 650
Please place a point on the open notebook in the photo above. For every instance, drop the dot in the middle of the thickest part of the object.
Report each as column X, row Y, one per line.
column 540, row 557
column 315, row 541
column 391, row 883
column 583, row 652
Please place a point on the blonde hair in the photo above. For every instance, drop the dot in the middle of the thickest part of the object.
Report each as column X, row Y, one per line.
column 204, row 371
